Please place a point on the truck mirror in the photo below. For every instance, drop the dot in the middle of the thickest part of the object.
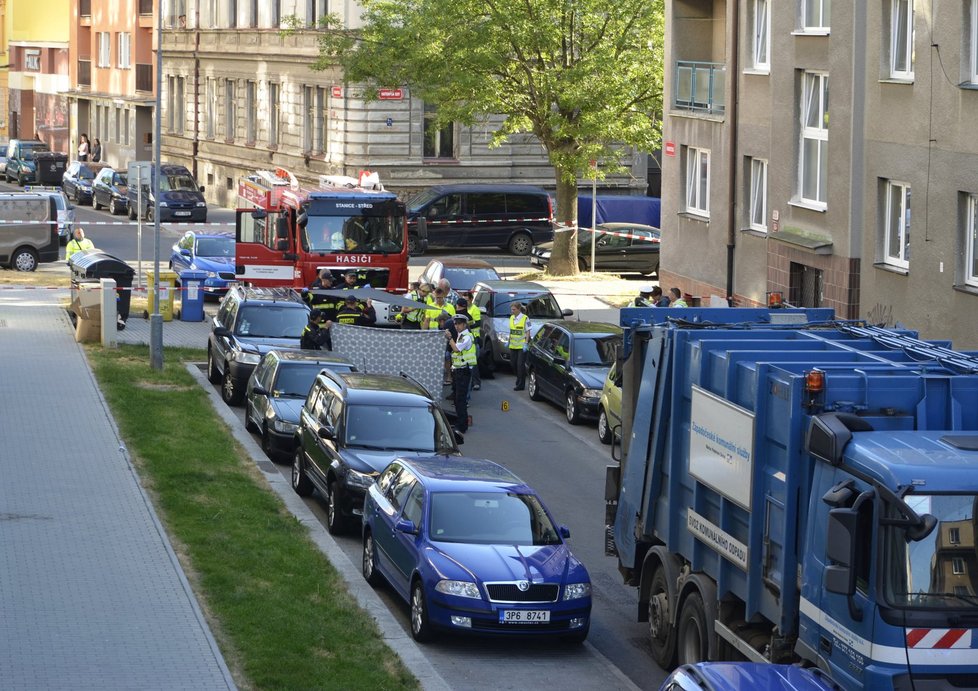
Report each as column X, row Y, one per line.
column 282, row 228
column 258, row 214
column 829, row 433
column 840, row 547
column 282, row 245
column 302, row 219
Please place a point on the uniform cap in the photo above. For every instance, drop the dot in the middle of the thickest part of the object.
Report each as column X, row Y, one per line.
column 462, row 302
column 461, row 318
column 350, row 298
column 646, row 289
column 351, row 273
column 315, row 315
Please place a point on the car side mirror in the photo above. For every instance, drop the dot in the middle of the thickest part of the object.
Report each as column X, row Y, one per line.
column 222, row 331
column 404, row 525
column 326, row 432
column 282, row 245
column 260, row 391
column 567, row 313
column 564, row 531
column 184, row 251
column 560, row 361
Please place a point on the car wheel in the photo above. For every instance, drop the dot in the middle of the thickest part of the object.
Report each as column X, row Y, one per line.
column 421, row 629
column 113, row 209
column 368, row 565
column 213, row 376
column 570, row 407
column 24, row 259
column 693, row 642
column 520, row 244
column 131, row 212
column 414, row 245
column 604, row 430
column 149, row 213
column 301, row 484
column 249, row 423
column 95, row 204
column 662, row 635
column 229, row 391
column 335, row 522
column 582, row 264
column 533, row 386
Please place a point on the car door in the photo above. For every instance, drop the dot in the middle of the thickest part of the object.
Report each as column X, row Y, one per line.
column 263, row 377
column 397, row 549
column 560, row 359
column 538, row 354
column 98, row 187
column 180, row 260
column 609, row 252
column 485, row 222
column 221, row 344
column 642, row 254
column 324, row 452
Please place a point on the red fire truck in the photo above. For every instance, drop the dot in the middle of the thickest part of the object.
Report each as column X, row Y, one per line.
column 286, row 234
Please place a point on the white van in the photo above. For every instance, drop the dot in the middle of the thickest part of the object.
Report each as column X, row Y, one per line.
column 28, row 230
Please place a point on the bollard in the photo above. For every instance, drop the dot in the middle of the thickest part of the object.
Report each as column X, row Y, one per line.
column 109, row 312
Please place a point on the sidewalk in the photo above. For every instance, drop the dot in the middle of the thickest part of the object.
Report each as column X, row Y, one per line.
column 91, row 593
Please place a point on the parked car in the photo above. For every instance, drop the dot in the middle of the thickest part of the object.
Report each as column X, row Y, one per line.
column 181, row 198
column 276, row 391
column 33, row 238
column 210, row 252
column 568, row 362
column 66, row 211
column 514, row 217
column 473, row 549
column 110, row 190
column 618, row 247
column 249, row 323
column 352, row 426
column 21, row 166
column 747, row 676
column 494, row 298
column 461, row 273
column 609, row 408
column 78, row 180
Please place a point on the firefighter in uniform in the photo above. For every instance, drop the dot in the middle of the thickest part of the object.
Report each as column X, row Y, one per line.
column 463, row 362
column 326, row 304
column 351, row 313
column 519, row 332
column 316, row 334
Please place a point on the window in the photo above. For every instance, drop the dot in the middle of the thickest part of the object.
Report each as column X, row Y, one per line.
column 125, row 52
column 209, row 14
column 316, row 10
column 125, row 127
column 957, row 566
column 897, row 225
column 815, row 14
column 761, row 36
column 697, row 181
column 275, row 20
column 439, row 142
column 118, row 124
column 901, row 39
column 973, row 62
column 308, row 114
column 814, row 138
column 210, row 94
column 319, row 144
column 971, row 242
column 954, row 536
column 232, row 14
column 273, row 113
column 230, row 114
column 253, row 13
column 758, row 194
column 104, row 49
column 175, row 105
column 251, row 104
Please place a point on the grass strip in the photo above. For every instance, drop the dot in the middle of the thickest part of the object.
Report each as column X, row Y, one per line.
column 278, row 608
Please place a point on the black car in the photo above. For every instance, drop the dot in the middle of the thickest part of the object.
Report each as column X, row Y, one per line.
column 618, row 247
column 79, row 179
column 110, row 190
column 276, row 391
column 249, row 323
column 568, row 362
column 352, row 426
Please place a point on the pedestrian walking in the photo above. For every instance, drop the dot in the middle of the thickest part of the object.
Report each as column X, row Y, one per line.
column 316, row 334
column 83, row 148
column 97, row 150
column 78, row 243
column 463, row 362
column 519, row 332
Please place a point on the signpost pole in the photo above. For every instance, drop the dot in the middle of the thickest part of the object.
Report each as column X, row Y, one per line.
column 594, row 208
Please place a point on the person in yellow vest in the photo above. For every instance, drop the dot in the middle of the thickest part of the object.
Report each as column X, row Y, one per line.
column 78, row 243
column 519, row 334
column 677, row 298
column 475, row 323
column 411, row 318
column 436, row 307
column 463, row 363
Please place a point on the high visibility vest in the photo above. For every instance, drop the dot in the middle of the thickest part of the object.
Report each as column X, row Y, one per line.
column 475, row 321
column 75, row 246
column 517, row 332
column 679, row 302
column 414, row 315
column 433, row 312
column 464, row 358
column 643, row 302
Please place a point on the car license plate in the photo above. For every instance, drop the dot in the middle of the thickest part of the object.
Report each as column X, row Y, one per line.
column 524, row 616
column 181, row 213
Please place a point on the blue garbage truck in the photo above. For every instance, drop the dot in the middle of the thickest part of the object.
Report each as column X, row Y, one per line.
column 795, row 489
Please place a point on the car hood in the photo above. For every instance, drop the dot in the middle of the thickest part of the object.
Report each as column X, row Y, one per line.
column 547, row 563
column 369, row 460
column 82, row 182
column 287, row 408
column 591, row 376
column 213, row 263
column 263, row 345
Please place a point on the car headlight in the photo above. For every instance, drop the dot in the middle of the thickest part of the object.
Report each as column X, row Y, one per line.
column 163, row 205
column 201, row 205
column 357, row 479
column 247, row 358
column 459, row 589
column 591, row 393
column 283, row 426
column 575, row 591
column 211, row 274
column 502, row 337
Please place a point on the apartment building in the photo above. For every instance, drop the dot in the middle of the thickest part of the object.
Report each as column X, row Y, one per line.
column 764, row 193
column 239, row 94
column 36, row 71
column 113, row 85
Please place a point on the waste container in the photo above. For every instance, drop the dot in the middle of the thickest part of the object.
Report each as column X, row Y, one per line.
column 89, row 266
column 168, row 282
column 192, row 296
column 50, row 167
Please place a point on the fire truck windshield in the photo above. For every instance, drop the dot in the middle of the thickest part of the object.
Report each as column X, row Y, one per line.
column 359, row 234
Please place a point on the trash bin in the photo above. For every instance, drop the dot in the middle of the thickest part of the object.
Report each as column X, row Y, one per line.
column 168, row 282
column 192, row 296
column 89, row 266
column 50, row 167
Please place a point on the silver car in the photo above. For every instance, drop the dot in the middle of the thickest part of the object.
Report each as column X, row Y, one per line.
column 66, row 210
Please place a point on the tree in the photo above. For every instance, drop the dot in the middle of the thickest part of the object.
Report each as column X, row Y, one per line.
column 583, row 76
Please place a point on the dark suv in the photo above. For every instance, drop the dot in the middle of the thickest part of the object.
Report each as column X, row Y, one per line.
column 250, row 322
column 352, row 426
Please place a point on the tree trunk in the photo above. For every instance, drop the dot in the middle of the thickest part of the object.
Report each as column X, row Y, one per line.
column 563, row 257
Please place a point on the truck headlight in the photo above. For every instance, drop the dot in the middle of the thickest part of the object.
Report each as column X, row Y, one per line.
column 358, row 479
column 201, row 205
column 459, row 589
column 283, row 426
column 575, row 591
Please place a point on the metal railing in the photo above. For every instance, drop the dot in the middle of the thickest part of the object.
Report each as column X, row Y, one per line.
column 144, row 77
column 699, row 86
column 84, row 73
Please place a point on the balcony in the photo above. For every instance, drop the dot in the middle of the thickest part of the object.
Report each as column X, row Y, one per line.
column 85, row 8
column 700, row 87
column 85, row 73
column 144, row 77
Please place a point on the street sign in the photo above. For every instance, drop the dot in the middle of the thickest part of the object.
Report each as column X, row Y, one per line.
column 669, row 148
column 337, row 92
column 390, row 94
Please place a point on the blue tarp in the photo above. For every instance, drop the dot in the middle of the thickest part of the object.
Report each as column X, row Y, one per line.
column 618, row 208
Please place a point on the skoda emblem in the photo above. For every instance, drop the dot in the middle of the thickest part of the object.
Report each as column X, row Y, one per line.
column 523, row 586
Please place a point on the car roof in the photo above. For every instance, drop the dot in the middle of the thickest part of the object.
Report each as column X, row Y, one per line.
column 526, row 189
column 504, row 286
column 210, row 234
column 457, row 262
column 626, row 227
column 577, row 328
column 309, row 356
column 285, row 297
column 464, row 473
column 364, row 387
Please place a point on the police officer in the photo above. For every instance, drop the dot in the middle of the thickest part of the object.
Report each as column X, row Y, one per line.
column 644, row 298
column 519, row 333
column 351, row 313
column 316, row 334
column 463, row 362
column 475, row 322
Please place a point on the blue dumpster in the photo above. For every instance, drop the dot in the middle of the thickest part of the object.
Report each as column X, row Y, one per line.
column 192, row 296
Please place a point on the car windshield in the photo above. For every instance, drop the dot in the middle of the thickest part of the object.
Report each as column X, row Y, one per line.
column 86, row 173
column 356, row 234
column 119, row 179
column 27, row 152
column 177, row 183
column 271, row 321
column 296, row 378
column 419, row 199
column 940, row 571
column 490, row 518
column 463, row 278
column 538, row 305
column 398, row 427
column 596, row 350
column 215, row 247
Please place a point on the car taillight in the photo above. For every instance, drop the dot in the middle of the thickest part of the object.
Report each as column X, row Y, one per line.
column 550, row 208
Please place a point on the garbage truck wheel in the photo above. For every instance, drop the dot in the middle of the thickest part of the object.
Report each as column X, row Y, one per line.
column 662, row 635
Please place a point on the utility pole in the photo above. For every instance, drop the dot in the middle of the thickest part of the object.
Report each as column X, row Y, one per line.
column 156, row 319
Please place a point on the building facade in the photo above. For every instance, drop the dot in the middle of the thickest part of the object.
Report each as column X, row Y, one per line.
column 764, row 193
column 239, row 95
